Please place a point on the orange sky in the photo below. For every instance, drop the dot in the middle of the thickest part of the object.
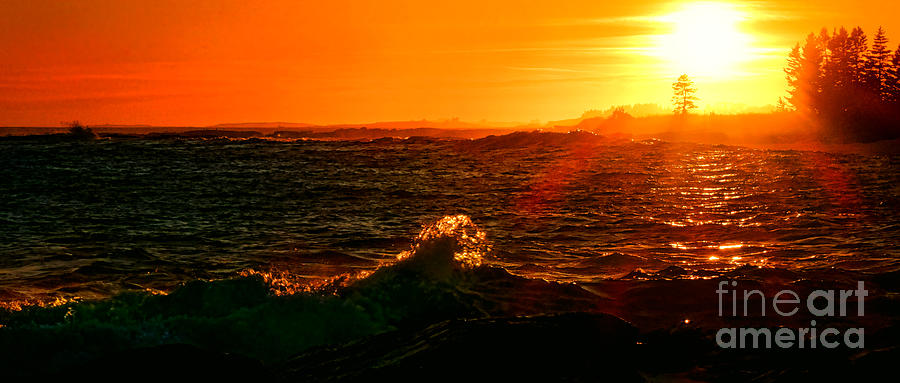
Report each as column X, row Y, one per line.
column 203, row 62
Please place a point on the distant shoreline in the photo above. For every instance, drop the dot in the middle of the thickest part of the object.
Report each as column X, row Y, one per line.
column 774, row 131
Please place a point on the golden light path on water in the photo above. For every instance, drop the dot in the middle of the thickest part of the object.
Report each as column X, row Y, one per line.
column 708, row 210
column 703, row 188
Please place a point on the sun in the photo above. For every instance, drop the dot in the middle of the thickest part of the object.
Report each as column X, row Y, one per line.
column 705, row 39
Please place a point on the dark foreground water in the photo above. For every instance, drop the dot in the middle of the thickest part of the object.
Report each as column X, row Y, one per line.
column 93, row 220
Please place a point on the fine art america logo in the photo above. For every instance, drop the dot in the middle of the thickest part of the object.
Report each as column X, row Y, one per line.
column 786, row 303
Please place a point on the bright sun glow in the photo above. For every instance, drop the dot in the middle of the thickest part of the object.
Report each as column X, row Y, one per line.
column 705, row 39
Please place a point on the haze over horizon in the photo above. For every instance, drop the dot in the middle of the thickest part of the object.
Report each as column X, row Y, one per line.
column 634, row 110
column 106, row 62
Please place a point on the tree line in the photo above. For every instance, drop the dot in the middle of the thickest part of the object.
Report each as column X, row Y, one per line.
column 851, row 87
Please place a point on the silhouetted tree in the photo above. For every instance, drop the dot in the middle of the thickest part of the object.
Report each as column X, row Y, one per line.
column 857, row 44
column 684, row 95
column 804, row 74
column 619, row 113
column 838, row 75
column 837, row 62
column 77, row 130
column 781, row 105
column 894, row 78
column 878, row 66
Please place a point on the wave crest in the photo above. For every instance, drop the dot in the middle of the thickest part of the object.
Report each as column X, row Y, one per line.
column 450, row 243
column 452, row 240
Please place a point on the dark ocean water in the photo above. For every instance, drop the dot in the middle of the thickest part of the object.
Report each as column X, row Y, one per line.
column 91, row 219
column 315, row 261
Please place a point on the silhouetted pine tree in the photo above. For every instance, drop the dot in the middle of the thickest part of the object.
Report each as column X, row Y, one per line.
column 804, row 75
column 837, row 65
column 894, row 78
column 857, row 44
column 781, row 106
column 683, row 96
column 841, row 86
column 878, row 64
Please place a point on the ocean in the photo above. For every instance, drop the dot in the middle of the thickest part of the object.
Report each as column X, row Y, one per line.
column 227, row 243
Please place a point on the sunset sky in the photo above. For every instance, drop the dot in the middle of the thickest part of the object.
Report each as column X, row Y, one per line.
column 204, row 62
